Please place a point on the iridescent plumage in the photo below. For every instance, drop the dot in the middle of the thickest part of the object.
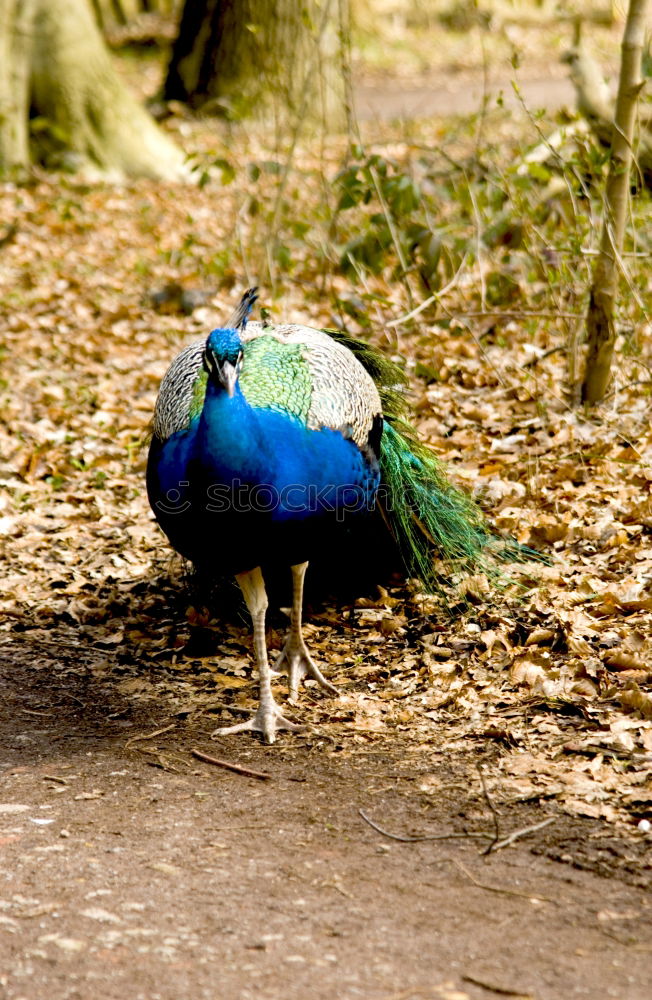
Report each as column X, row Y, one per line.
column 269, row 443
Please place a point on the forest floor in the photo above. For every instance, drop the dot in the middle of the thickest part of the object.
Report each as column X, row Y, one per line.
column 511, row 741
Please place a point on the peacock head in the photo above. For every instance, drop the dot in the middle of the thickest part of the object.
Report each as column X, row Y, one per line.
column 223, row 358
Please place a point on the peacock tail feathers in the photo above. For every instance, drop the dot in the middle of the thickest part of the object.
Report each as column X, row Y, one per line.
column 428, row 516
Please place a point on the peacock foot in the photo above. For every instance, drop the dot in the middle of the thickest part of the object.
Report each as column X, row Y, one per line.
column 268, row 720
column 300, row 664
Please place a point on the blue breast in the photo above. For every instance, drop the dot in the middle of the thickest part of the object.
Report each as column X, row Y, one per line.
column 243, row 486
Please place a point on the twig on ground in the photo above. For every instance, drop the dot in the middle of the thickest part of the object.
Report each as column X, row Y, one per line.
column 627, row 385
column 413, row 312
column 498, row 889
column 497, row 845
column 504, row 991
column 228, row 766
column 405, row 839
column 227, row 707
column 494, row 811
column 150, row 736
column 429, row 301
column 334, row 884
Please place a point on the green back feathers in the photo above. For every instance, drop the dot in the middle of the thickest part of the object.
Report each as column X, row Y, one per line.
column 275, row 376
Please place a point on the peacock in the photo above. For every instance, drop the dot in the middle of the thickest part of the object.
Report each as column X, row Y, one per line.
column 273, row 443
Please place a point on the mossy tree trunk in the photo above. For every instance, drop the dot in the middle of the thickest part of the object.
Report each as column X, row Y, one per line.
column 600, row 320
column 261, row 58
column 62, row 102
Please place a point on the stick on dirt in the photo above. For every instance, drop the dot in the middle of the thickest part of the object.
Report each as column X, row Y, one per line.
column 495, row 888
column 503, row 991
column 497, row 845
column 494, row 811
column 150, row 736
column 426, row 836
column 228, row 766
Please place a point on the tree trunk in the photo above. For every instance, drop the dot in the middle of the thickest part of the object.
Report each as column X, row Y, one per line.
column 15, row 28
column 600, row 317
column 54, row 65
column 262, row 58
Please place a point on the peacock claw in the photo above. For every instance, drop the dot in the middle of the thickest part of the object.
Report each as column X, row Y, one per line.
column 267, row 720
column 300, row 664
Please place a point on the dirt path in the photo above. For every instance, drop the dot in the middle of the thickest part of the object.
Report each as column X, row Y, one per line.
column 133, row 870
column 451, row 95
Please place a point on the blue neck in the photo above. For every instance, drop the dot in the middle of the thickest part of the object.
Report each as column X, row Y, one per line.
column 230, row 437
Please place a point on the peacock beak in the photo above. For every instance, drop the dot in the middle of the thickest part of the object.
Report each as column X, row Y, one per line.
column 228, row 376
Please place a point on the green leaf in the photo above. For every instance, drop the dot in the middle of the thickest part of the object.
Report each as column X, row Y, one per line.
column 227, row 170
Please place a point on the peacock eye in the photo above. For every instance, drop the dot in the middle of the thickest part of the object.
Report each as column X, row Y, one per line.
column 209, row 361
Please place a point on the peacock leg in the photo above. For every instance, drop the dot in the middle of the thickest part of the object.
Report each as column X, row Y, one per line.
column 300, row 664
column 268, row 718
